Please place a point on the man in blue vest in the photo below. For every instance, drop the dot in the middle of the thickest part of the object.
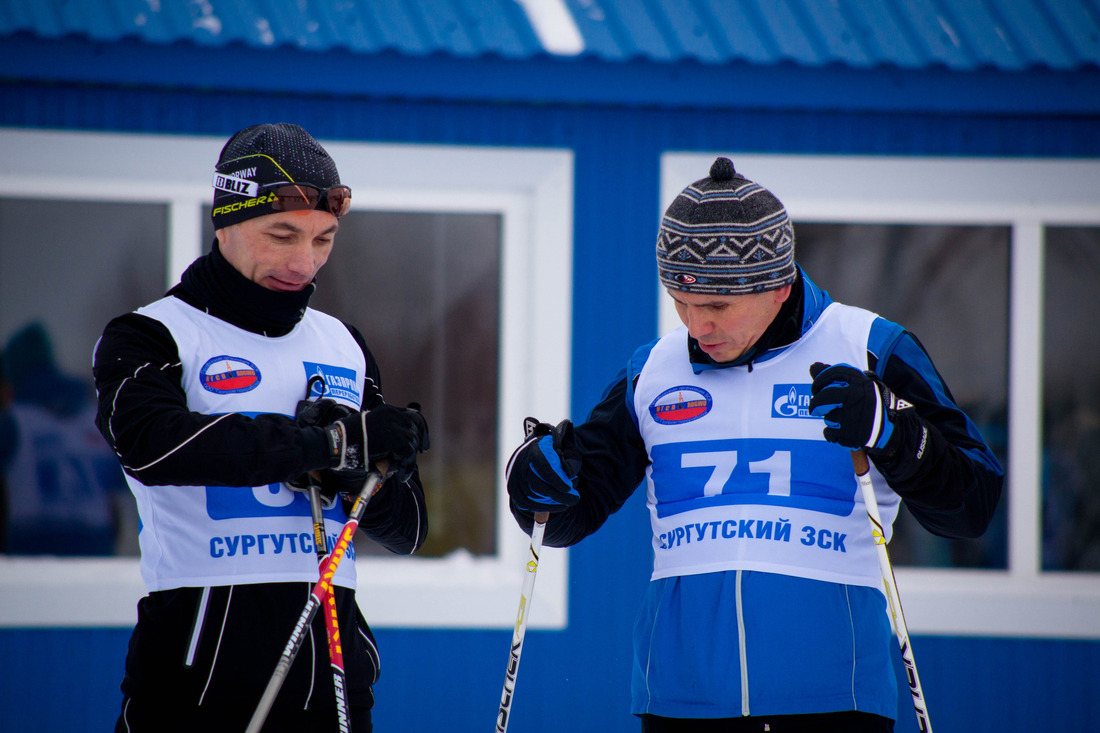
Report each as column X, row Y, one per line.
column 203, row 396
column 765, row 610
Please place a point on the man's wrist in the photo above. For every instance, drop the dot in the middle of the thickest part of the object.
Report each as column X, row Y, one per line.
column 315, row 449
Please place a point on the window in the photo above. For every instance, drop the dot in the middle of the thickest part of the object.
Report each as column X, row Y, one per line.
column 467, row 254
column 1071, row 399
column 949, row 286
column 427, row 287
column 67, row 266
column 424, row 289
column 956, row 250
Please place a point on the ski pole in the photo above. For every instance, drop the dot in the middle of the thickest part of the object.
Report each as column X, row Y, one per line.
column 332, row 620
column 317, row 596
column 862, row 469
column 520, row 629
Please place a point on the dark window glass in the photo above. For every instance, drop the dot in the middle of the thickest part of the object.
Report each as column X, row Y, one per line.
column 423, row 288
column 66, row 269
column 1071, row 399
column 948, row 285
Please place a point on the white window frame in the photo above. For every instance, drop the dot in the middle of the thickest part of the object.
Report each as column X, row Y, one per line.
column 1026, row 195
column 531, row 189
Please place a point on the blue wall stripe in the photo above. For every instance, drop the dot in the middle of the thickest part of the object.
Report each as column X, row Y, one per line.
column 55, row 680
column 67, row 680
column 545, row 80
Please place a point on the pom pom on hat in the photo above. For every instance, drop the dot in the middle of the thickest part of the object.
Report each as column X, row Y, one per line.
column 722, row 170
column 725, row 235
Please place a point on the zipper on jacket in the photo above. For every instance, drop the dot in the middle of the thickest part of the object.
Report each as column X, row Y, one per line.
column 196, row 630
column 742, row 650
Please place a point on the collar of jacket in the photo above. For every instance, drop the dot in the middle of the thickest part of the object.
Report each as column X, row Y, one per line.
column 213, row 285
column 797, row 315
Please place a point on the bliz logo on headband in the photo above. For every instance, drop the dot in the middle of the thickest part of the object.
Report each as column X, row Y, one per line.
column 228, row 375
column 681, row 405
column 340, row 382
column 239, row 186
column 791, row 400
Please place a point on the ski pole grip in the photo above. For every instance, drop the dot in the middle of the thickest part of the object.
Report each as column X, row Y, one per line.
column 859, row 462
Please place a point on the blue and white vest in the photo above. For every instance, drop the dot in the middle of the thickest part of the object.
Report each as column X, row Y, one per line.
column 223, row 535
column 741, row 477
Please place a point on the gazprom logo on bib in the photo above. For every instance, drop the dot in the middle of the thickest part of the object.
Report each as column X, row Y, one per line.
column 340, row 382
column 680, row 405
column 229, row 374
column 791, row 400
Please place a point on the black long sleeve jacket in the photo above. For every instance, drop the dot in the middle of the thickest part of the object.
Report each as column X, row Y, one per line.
column 144, row 415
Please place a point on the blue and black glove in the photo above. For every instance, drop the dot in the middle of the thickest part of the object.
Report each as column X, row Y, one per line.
column 541, row 473
column 859, row 410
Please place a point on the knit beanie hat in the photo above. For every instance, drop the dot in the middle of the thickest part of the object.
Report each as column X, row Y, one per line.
column 262, row 155
column 725, row 235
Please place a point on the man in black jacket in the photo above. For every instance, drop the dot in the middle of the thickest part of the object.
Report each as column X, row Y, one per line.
column 220, row 399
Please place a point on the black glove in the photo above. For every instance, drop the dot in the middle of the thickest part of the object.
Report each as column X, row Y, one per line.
column 395, row 434
column 541, row 472
column 321, row 413
column 859, row 410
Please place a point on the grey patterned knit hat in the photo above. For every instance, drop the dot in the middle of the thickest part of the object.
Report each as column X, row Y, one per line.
column 725, row 235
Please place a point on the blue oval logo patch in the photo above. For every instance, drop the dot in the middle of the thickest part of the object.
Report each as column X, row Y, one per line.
column 229, row 374
column 681, row 405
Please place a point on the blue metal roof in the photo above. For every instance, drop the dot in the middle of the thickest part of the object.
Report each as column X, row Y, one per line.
column 458, row 27
column 1008, row 35
column 957, row 34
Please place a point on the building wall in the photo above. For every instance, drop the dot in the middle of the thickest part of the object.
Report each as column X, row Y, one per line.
column 67, row 679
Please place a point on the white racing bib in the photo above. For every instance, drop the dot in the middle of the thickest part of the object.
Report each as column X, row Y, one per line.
column 741, row 477
column 222, row 535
